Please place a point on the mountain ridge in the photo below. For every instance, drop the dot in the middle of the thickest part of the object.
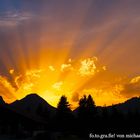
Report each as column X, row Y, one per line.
column 30, row 103
column 33, row 106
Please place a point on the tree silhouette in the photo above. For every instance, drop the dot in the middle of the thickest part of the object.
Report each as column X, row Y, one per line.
column 64, row 117
column 90, row 102
column 91, row 108
column 82, row 102
column 82, row 108
column 86, row 114
column 63, row 104
column 91, row 114
column 87, row 106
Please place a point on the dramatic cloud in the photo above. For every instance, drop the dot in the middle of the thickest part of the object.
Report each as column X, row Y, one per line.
column 132, row 88
column 88, row 67
column 38, row 38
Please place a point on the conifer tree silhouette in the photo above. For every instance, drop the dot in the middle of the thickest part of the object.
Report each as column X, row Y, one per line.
column 91, row 108
column 87, row 106
column 82, row 109
column 86, row 113
column 63, row 105
column 64, row 115
column 82, row 102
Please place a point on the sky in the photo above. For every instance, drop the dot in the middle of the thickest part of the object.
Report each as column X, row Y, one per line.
column 70, row 47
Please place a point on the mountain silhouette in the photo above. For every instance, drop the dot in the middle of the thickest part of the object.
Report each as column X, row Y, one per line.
column 131, row 105
column 10, row 119
column 34, row 106
column 2, row 101
column 31, row 104
column 33, row 114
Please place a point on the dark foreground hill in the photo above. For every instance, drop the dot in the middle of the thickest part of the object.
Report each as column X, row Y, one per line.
column 33, row 116
column 34, row 106
column 130, row 106
column 12, row 122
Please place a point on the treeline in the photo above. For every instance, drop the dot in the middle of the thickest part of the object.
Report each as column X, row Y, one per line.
column 85, row 119
column 88, row 118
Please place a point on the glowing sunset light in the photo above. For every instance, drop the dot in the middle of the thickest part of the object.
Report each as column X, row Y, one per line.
column 52, row 79
column 70, row 48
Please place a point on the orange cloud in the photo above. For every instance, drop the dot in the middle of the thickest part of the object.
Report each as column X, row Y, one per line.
column 66, row 67
column 132, row 88
column 88, row 67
